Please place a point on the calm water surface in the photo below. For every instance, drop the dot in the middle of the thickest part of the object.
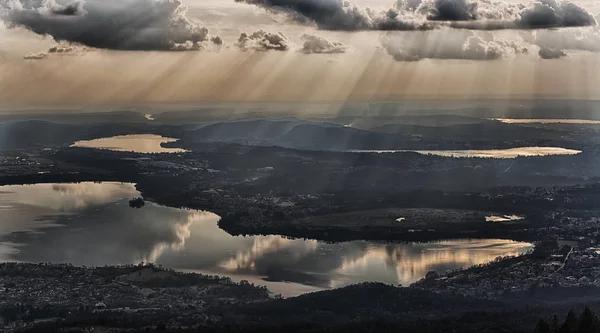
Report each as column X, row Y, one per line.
column 487, row 153
column 150, row 143
column 547, row 121
column 92, row 224
column 140, row 143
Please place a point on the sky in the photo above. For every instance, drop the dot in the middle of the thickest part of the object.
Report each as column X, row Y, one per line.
column 56, row 53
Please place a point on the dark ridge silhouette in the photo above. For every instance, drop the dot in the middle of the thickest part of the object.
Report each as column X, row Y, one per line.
column 441, row 120
column 487, row 130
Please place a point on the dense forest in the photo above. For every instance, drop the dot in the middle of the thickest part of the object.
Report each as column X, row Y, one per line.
column 584, row 322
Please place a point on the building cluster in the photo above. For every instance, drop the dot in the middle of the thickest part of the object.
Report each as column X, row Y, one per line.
column 570, row 266
column 30, row 293
column 13, row 163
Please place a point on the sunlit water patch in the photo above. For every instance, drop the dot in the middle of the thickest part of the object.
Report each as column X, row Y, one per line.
column 486, row 153
column 547, row 121
column 503, row 218
column 92, row 224
column 139, row 143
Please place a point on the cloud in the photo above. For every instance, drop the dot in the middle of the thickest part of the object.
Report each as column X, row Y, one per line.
column 217, row 40
column 448, row 44
column 263, row 41
column 480, row 15
column 585, row 39
column 75, row 8
column 109, row 24
column 318, row 44
column 490, row 15
column 546, row 53
column 36, row 56
column 449, row 10
column 554, row 13
column 340, row 15
column 64, row 48
column 432, row 14
column 58, row 49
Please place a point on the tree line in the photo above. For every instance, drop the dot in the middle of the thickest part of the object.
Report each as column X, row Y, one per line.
column 585, row 322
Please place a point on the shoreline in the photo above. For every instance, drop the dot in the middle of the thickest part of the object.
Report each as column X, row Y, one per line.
column 240, row 224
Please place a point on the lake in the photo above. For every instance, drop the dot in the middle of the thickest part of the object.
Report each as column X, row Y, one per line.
column 151, row 143
column 547, row 121
column 139, row 143
column 92, row 224
column 486, row 153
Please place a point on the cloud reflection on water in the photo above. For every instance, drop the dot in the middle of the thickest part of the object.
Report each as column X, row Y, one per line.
column 93, row 225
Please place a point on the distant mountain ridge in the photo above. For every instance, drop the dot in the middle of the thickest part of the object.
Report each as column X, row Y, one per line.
column 32, row 133
column 293, row 133
column 253, row 129
column 447, row 132
column 325, row 135
column 371, row 122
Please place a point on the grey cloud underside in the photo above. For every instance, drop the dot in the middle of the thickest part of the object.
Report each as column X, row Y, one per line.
column 449, row 10
column 444, row 44
column 546, row 53
column 269, row 41
column 75, row 8
column 340, row 15
column 432, row 14
column 108, row 24
column 64, row 48
column 537, row 15
column 58, row 49
column 583, row 39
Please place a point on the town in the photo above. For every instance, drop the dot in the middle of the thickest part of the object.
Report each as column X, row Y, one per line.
column 145, row 295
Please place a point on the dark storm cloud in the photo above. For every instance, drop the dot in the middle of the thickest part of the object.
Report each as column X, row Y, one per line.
column 109, row 24
column 75, row 8
column 340, row 15
column 500, row 15
column 546, row 53
column 318, row 44
column 452, row 10
column 554, row 13
column 496, row 15
column 263, row 41
column 446, row 44
column 430, row 14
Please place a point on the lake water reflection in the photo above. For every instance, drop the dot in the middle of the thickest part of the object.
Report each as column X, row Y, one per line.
column 92, row 224
column 487, row 153
column 151, row 143
column 547, row 121
column 140, row 143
